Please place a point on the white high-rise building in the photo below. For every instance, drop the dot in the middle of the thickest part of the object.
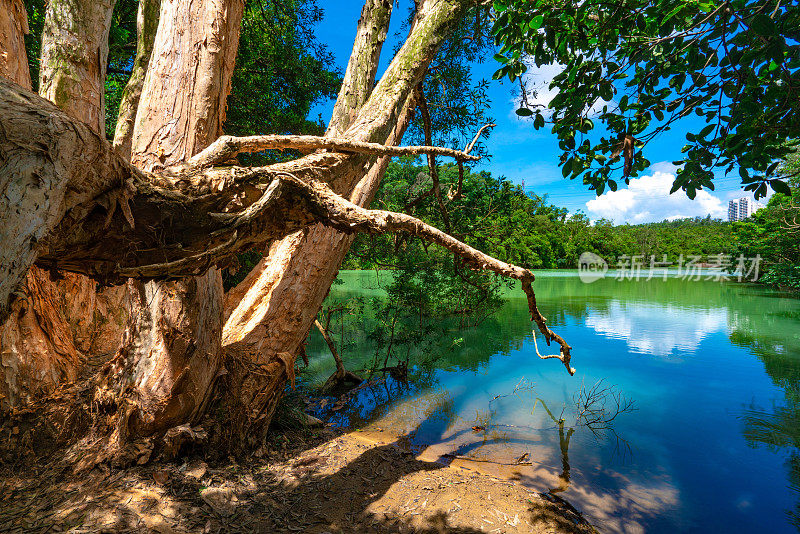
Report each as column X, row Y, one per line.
column 742, row 208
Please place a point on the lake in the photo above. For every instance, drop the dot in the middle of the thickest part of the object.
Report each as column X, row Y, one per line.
column 712, row 369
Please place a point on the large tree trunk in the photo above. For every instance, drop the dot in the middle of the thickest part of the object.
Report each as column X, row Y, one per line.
column 56, row 324
column 74, row 57
column 270, row 313
column 172, row 346
column 13, row 28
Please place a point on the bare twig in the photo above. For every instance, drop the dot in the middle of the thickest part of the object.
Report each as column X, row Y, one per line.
column 468, row 148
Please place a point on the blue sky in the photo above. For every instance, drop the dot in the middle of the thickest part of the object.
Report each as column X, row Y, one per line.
column 523, row 154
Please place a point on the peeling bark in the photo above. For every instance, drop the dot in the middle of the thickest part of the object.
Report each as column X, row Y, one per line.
column 74, row 58
column 146, row 27
column 172, row 346
column 55, row 323
column 13, row 29
column 181, row 109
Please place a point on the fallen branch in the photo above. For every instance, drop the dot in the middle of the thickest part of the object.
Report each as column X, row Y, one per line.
column 227, row 147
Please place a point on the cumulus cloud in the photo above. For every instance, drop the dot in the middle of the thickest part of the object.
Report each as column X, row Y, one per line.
column 647, row 199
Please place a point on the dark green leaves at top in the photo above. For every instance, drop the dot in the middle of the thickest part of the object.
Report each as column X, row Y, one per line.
column 763, row 25
column 536, row 22
column 736, row 65
column 780, row 186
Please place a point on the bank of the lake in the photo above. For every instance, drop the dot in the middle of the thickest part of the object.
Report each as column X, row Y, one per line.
column 712, row 367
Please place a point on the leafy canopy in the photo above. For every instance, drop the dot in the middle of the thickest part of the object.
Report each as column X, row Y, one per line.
column 735, row 65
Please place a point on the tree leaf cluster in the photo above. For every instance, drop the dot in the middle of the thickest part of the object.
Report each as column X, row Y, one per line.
column 729, row 71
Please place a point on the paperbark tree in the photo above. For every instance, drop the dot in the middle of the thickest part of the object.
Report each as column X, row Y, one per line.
column 177, row 214
column 146, row 27
column 172, row 345
column 58, row 323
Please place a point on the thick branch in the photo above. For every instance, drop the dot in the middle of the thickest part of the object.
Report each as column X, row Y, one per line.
column 227, row 147
column 349, row 217
column 359, row 78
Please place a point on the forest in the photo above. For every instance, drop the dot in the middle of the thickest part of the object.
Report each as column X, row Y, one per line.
column 172, row 218
column 523, row 228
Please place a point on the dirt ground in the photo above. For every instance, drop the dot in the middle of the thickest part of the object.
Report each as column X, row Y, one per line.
column 325, row 482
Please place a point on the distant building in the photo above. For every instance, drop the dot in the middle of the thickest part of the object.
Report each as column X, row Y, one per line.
column 742, row 208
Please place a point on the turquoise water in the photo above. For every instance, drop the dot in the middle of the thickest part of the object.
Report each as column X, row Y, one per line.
column 712, row 369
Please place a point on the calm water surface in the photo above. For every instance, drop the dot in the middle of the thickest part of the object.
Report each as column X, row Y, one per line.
column 713, row 369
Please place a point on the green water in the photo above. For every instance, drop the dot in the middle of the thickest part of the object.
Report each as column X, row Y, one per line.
column 713, row 370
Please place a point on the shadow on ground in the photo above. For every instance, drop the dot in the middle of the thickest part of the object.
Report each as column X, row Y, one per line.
column 336, row 483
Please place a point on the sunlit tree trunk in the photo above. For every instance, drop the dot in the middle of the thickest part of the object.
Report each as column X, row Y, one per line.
column 172, row 346
column 58, row 322
column 13, row 28
column 270, row 313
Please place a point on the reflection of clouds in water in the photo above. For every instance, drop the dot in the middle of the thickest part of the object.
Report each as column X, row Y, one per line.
column 627, row 508
column 657, row 329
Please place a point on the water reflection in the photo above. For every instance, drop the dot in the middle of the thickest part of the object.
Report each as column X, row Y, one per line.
column 657, row 329
column 713, row 440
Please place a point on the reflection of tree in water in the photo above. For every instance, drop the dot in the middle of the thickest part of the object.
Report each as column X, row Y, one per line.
column 595, row 409
column 777, row 427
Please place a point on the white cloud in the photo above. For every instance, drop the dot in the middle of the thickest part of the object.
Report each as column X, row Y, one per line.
column 537, row 84
column 647, row 199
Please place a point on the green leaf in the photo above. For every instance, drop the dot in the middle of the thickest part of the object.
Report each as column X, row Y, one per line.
column 567, row 168
column 524, row 112
column 763, row 25
column 499, row 7
column 536, row 22
column 538, row 122
column 780, row 186
column 743, row 173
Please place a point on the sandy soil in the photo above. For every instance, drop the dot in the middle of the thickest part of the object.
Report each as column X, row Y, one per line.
column 328, row 482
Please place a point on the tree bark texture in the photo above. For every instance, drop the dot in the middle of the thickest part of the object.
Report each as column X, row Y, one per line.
column 172, row 346
column 74, row 58
column 146, row 27
column 13, row 29
column 182, row 106
column 55, row 324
